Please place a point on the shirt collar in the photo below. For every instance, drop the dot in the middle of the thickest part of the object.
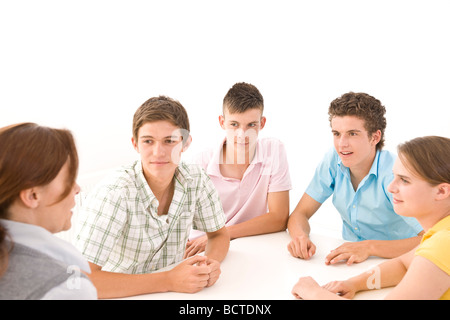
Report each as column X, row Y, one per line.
column 42, row 240
column 441, row 225
column 182, row 178
column 373, row 169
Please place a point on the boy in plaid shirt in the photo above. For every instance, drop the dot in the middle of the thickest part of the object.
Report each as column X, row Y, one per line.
column 138, row 220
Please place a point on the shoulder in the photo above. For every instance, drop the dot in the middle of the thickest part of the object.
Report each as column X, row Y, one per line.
column 191, row 174
column 119, row 181
column 386, row 158
column 435, row 249
column 269, row 144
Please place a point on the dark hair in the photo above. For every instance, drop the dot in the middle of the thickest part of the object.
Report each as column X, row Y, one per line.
column 30, row 156
column 242, row 97
column 428, row 157
column 161, row 108
column 364, row 107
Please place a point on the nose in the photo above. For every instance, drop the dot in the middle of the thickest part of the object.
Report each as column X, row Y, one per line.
column 158, row 149
column 392, row 187
column 343, row 141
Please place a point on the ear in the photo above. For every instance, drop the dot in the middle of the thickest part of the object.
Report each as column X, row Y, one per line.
column 187, row 143
column 135, row 146
column 263, row 122
column 376, row 137
column 443, row 191
column 222, row 121
column 30, row 198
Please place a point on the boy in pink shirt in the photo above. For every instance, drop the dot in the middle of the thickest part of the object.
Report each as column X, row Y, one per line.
column 251, row 175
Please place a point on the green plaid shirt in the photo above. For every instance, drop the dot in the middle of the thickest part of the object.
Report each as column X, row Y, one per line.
column 121, row 231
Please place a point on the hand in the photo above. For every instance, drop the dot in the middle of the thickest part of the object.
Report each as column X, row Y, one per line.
column 302, row 247
column 215, row 271
column 191, row 275
column 305, row 288
column 342, row 288
column 353, row 252
column 195, row 246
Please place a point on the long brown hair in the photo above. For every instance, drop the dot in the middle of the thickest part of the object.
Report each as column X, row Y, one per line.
column 30, row 156
column 429, row 157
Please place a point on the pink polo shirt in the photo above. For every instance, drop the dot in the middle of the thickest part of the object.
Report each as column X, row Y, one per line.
column 245, row 199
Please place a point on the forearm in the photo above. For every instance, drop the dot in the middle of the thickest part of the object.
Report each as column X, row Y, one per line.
column 392, row 248
column 387, row 274
column 218, row 245
column 298, row 225
column 115, row 285
column 266, row 223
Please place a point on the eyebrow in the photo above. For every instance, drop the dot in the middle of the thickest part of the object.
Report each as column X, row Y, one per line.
column 352, row 130
column 401, row 176
column 167, row 137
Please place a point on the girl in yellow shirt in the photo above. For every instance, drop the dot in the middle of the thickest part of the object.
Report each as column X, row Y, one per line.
column 421, row 189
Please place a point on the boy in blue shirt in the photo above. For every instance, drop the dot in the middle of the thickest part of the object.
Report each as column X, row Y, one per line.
column 357, row 172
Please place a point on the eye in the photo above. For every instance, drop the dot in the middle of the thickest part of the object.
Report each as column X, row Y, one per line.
column 404, row 180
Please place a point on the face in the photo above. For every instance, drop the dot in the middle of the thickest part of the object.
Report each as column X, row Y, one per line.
column 413, row 196
column 352, row 143
column 242, row 128
column 53, row 213
column 160, row 145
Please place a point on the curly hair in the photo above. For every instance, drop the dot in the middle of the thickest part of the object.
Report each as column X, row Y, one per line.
column 363, row 106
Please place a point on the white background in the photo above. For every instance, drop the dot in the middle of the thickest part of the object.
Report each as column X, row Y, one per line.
column 88, row 65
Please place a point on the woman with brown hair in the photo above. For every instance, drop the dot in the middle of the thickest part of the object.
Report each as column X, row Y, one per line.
column 421, row 189
column 38, row 168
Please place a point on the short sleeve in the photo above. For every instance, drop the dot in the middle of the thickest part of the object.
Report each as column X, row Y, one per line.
column 280, row 179
column 322, row 184
column 209, row 215
column 435, row 249
column 102, row 218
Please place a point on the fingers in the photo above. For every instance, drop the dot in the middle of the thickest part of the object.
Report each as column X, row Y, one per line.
column 301, row 247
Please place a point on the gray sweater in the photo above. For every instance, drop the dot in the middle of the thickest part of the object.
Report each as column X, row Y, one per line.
column 31, row 274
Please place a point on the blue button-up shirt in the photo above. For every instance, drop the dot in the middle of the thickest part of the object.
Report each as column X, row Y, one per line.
column 368, row 212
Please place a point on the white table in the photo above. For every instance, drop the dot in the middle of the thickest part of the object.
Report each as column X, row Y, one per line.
column 261, row 268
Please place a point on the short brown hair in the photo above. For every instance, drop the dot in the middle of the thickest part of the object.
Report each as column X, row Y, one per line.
column 242, row 97
column 161, row 108
column 364, row 107
column 30, row 156
column 428, row 157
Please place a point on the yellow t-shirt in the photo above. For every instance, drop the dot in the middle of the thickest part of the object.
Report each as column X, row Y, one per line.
column 435, row 246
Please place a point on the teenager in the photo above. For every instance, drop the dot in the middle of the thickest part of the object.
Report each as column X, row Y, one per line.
column 356, row 172
column 250, row 174
column 421, row 189
column 38, row 168
column 137, row 221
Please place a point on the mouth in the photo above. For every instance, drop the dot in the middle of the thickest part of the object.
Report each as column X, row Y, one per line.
column 397, row 201
column 159, row 163
column 345, row 153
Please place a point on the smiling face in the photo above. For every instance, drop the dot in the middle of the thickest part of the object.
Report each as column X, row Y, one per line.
column 352, row 142
column 413, row 196
column 160, row 144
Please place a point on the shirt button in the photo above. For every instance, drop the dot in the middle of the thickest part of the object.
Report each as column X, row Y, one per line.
column 354, row 206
